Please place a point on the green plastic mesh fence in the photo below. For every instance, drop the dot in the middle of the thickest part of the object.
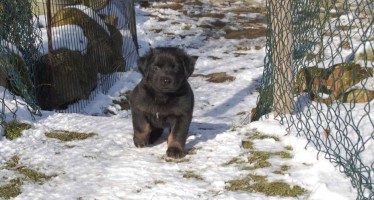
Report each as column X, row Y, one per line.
column 17, row 56
column 318, row 78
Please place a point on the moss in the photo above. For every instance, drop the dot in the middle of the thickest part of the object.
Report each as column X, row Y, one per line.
column 12, row 189
column 69, row 136
column 191, row 174
column 14, row 129
column 256, row 183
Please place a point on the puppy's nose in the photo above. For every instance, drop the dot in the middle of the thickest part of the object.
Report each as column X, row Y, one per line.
column 165, row 80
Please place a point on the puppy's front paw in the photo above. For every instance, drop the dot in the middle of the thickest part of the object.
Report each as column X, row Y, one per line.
column 174, row 152
column 140, row 143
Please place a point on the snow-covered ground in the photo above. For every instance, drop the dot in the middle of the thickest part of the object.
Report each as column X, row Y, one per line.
column 109, row 166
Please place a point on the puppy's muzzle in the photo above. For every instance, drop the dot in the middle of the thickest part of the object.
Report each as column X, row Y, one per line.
column 165, row 81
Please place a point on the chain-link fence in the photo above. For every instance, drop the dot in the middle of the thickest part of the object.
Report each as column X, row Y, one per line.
column 17, row 57
column 58, row 54
column 318, row 78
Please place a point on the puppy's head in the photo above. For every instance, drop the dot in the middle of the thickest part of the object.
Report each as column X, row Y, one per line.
column 166, row 69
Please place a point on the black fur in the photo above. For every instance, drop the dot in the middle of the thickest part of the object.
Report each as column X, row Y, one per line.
column 163, row 98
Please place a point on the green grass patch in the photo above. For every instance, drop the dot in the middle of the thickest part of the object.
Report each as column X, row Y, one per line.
column 12, row 163
column 124, row 101
column 283, row 169
column 156, row 182
column 30, row 174
column 192, row 174
column 277, row 189
column 307, row 164
column 283, row 154
column 288, row 148
column 256, row 156
column 256, row 183
column 14, row 129
column 66, row 136
column 259, row 159
column 261, row 136
column 235, row 160
column 247, row 144
column 33, row 175
column 214, row 57
column 193, row 150
column 11, row 189
column 187, row 27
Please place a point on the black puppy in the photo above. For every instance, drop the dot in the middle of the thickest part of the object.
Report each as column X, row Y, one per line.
column 163, row 98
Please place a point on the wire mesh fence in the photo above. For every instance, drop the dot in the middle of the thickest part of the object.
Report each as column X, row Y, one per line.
column 71, row 49
column 17, row 57
column 318, row 78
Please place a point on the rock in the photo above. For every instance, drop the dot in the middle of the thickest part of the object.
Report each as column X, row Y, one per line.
column 70, row 79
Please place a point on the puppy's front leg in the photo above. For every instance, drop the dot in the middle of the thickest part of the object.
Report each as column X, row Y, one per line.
column 177, row 138
column 142, row 130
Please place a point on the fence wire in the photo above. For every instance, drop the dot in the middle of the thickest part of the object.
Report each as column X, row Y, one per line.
column 318, row 78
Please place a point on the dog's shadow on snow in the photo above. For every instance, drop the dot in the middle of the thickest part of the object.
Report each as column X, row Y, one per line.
column 201, row 132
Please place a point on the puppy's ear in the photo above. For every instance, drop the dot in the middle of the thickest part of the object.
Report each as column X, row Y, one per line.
column 143, row 63
column 189, row 66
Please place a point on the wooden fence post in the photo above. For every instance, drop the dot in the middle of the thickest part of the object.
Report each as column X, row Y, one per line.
column 281, row 44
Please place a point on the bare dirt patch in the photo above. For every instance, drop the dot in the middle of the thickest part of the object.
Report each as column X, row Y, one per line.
column 246, row 33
